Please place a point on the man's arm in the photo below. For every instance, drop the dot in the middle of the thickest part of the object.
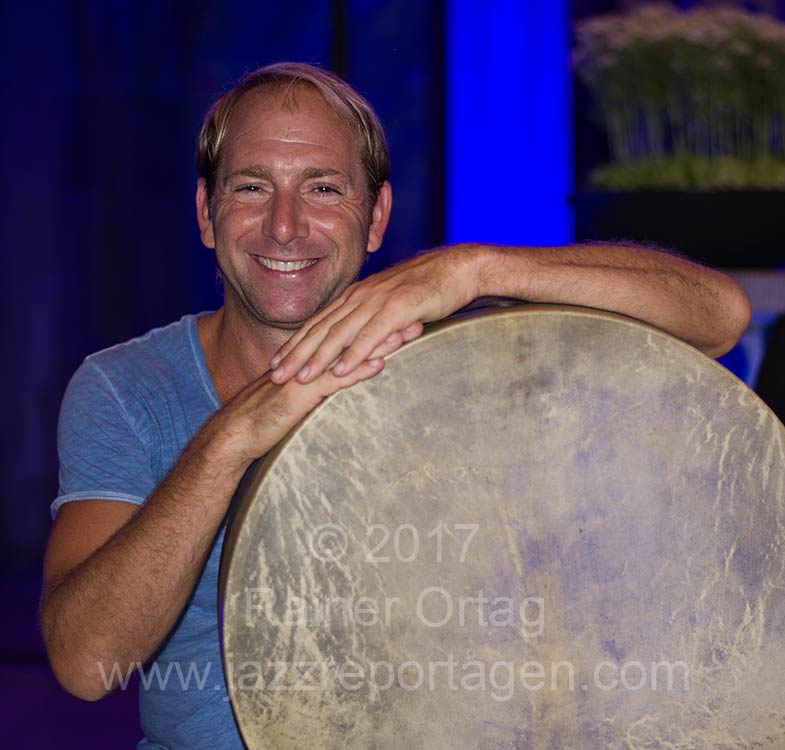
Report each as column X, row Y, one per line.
column 116, row 579
column 704, row 307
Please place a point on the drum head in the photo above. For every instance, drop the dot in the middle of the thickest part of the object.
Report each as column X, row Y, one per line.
column 542, row 527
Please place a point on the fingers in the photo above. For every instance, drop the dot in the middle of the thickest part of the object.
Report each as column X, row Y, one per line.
column 319, row 322
column 412, row 331
column 396, row 340
column 316, row 349
column 328, row 353
column 360, row 339
column 328, row 382
column 391, row 344
column 324, row 341
column 316, row 345
column 363, row 345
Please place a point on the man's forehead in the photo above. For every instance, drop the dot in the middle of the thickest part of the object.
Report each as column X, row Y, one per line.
column 298, row 115
column 276, row 100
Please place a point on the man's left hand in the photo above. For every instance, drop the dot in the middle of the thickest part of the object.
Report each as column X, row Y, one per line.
column 374, row 317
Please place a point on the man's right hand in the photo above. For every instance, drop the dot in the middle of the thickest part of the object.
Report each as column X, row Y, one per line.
column 261, row 414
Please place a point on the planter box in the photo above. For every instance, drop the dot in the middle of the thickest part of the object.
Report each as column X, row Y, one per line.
column 731, row 228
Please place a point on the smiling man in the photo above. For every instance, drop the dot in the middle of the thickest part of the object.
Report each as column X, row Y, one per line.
column 291, row 214
column 156, row 434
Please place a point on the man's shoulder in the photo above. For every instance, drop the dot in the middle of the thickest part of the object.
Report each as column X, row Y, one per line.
column 156, row 379
column 154, row 350
column 129, row 410
column 163, row 365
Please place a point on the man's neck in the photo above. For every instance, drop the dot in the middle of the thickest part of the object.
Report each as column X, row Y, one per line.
column 237, row 351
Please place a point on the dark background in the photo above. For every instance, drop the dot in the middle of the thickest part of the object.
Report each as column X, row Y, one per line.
column 101, row 105
column 98, row 226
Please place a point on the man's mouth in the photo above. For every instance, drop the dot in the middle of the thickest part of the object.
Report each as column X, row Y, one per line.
column 284, row 265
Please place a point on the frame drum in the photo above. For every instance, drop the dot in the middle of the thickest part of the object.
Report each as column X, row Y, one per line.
column 539, row 527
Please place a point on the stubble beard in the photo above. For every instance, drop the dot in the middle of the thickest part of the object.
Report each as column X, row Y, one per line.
column 255, row 313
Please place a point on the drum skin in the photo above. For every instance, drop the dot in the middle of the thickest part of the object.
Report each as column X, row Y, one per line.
column 540, row 527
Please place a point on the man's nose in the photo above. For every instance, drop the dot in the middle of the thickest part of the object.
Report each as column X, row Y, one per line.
column 286, row 220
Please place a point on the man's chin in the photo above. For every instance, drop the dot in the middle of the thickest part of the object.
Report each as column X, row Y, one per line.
column 285, row 322
column 291, row 317
column 286, row 325
column 288, row 314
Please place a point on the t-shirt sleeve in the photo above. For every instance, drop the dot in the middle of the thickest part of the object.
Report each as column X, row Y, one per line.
column 102, row 456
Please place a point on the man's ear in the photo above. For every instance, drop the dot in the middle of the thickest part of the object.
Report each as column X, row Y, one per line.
column 380, row 217
column 203, row 215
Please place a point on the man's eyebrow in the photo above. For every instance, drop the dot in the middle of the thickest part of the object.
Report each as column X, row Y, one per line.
column 257, row 171
column 260, row 172
column 311, row 173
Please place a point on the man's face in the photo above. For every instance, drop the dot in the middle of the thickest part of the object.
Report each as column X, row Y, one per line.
column 290, row 220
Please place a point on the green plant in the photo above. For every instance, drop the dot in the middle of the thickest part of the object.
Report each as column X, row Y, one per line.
column 684, row 92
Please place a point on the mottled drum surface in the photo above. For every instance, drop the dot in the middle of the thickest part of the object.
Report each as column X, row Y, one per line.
column 543, row 527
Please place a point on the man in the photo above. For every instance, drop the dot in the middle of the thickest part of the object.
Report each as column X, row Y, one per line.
column 155, row 434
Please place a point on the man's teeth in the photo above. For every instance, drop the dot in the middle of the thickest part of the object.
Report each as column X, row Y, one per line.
column 284, row 265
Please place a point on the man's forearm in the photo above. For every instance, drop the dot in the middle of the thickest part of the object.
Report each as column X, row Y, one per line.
column 704, row 307
column 118, row 605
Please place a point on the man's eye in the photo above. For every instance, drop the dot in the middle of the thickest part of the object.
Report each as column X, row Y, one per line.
column 248, row 189
column 325, row 189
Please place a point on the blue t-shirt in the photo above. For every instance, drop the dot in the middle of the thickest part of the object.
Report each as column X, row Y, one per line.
column 127, row 415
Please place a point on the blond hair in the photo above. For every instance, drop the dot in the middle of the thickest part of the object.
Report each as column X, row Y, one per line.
column 349, row 105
